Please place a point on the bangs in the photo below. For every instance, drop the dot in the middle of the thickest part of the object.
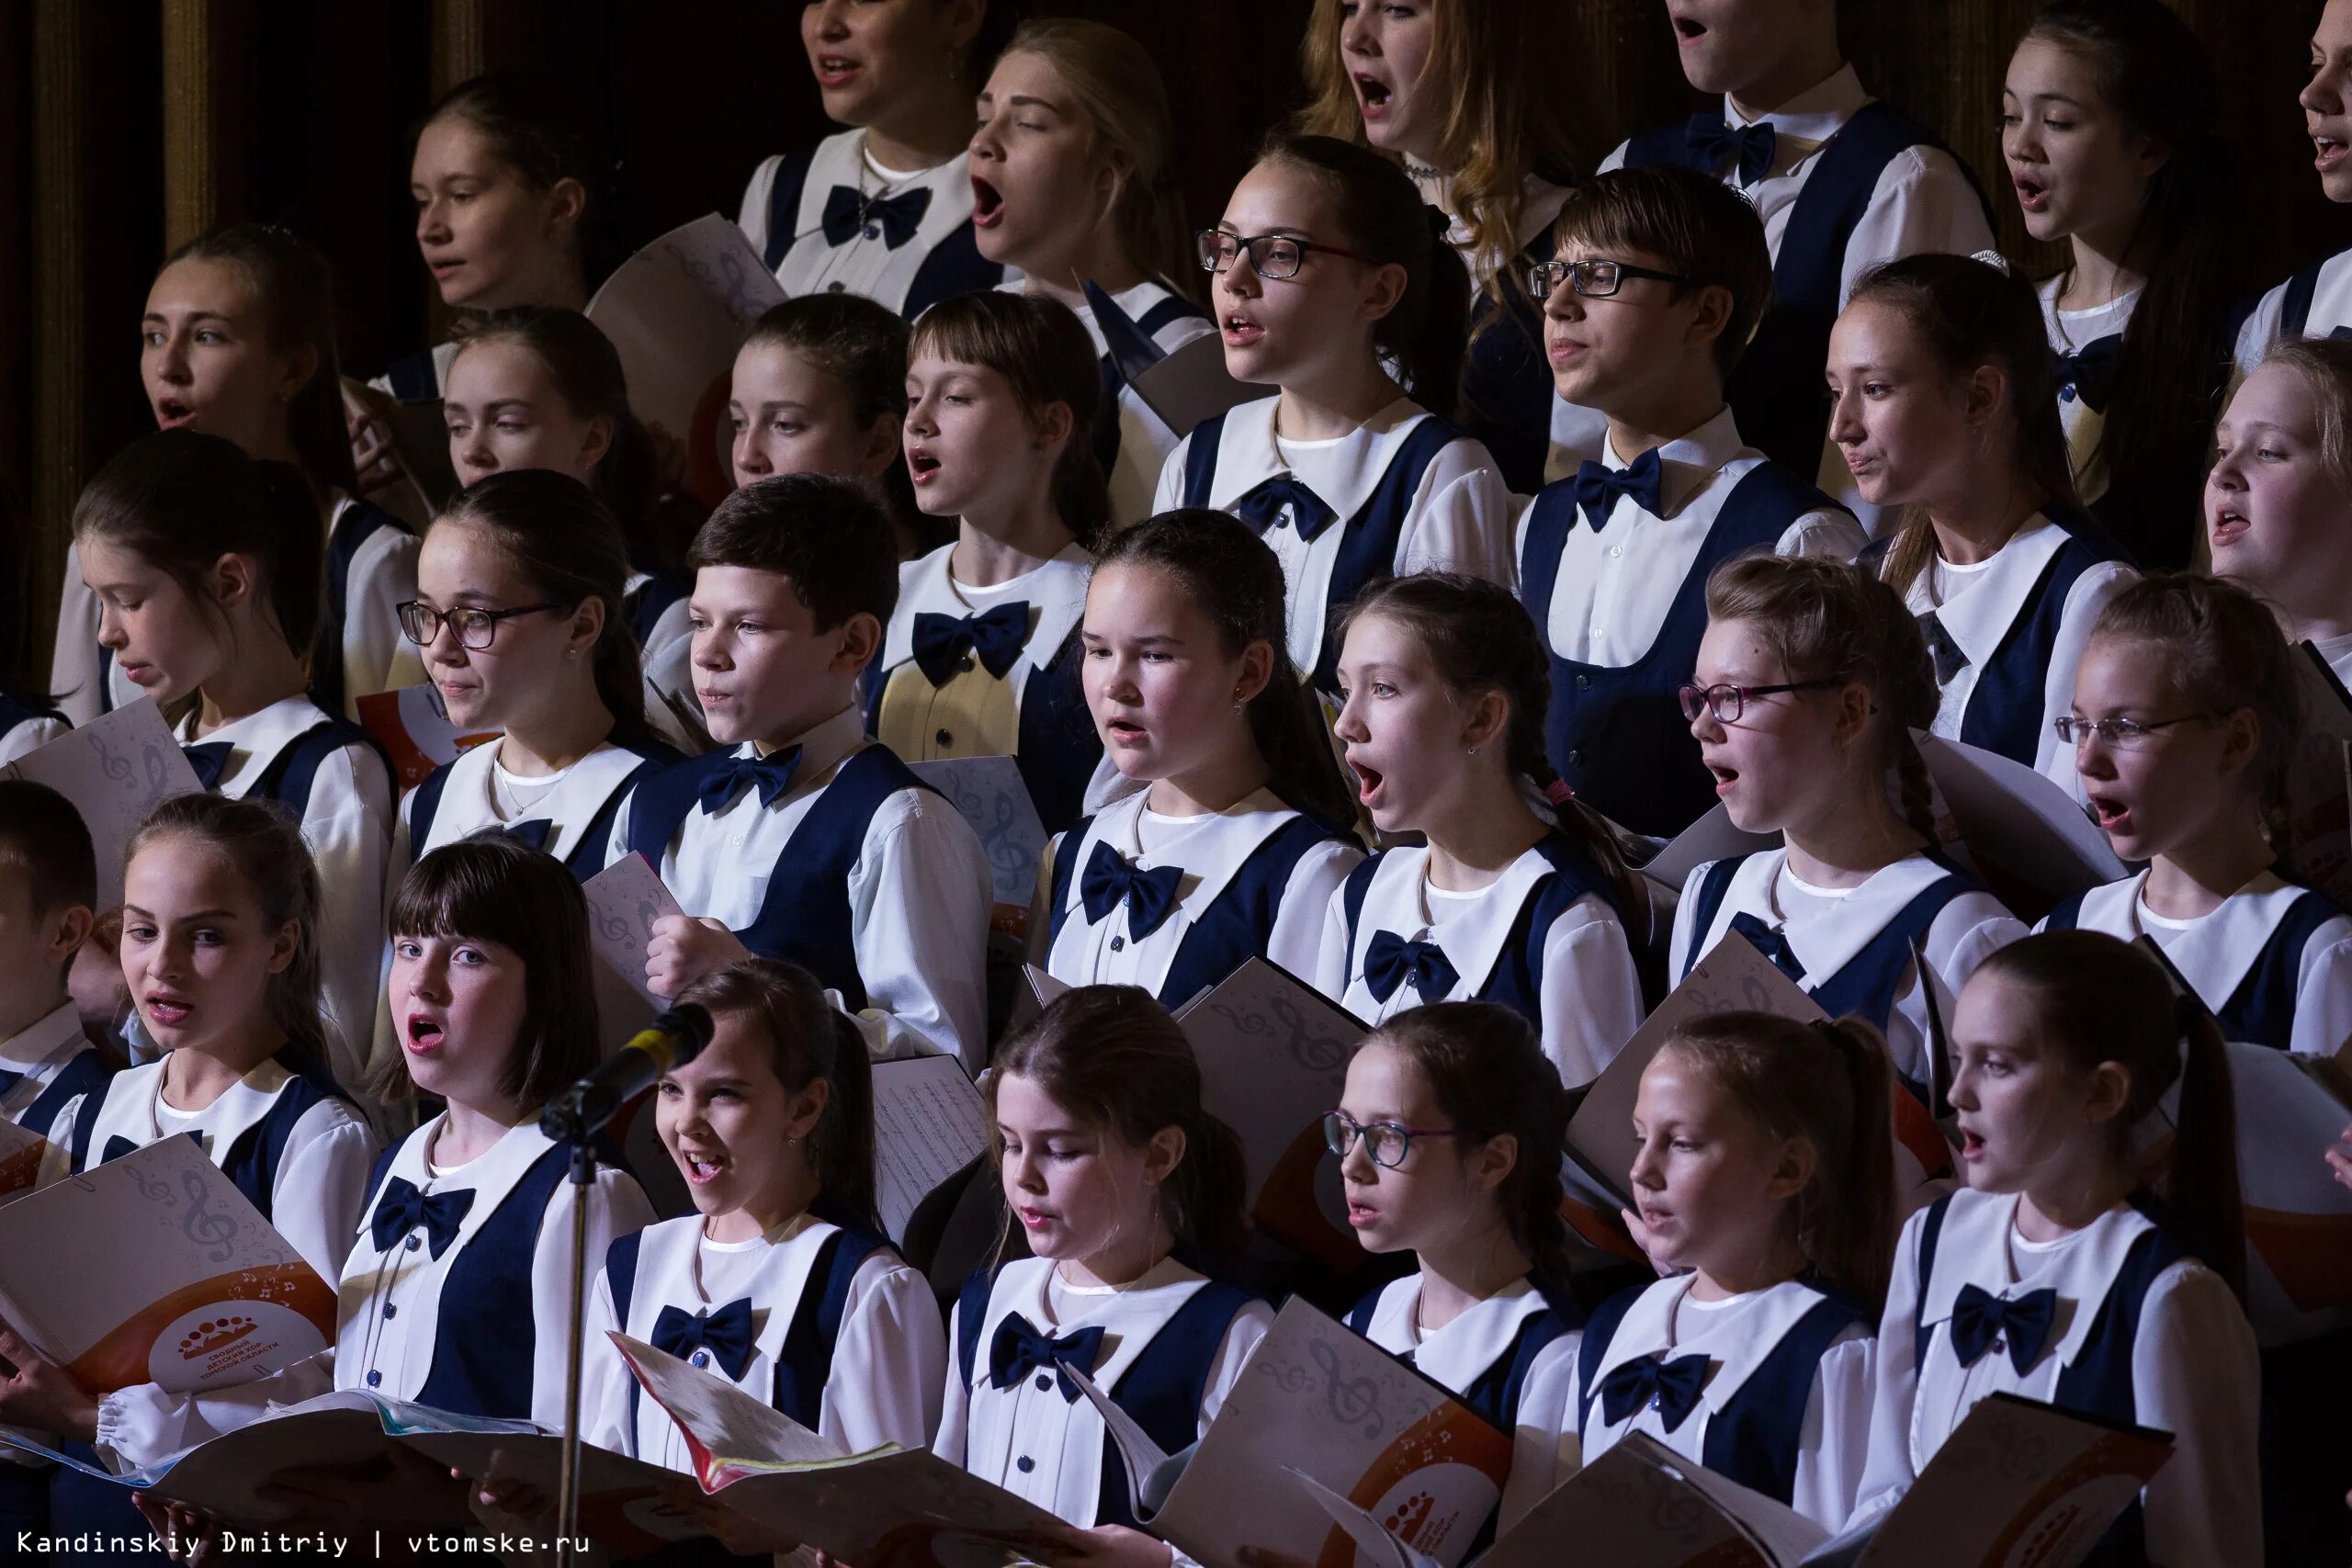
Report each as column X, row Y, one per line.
column 468, row 889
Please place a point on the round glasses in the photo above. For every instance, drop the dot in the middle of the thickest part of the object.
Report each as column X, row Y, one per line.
column 1727, row 703
column 2129, row 734
column 1591, row 279
column 1271, row 256
column 1387, row 1141
column 476, row 628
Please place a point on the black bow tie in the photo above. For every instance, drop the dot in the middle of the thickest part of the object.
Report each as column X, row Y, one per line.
column 771, row 775
column 119, row 1146
column 531, row 830
column 1110, row 876
column 402, row 1208
column 209, row 759
column 1019, row 1348
column 1671, row 1388
column 1950, row 657
column 1265, row 504
column 994, row 636
column 1978, row 1318
column 1599, row 488
column 1718, row 145
column 849, row 212
column 2089, row 372
column 726, row 1334
column 1772, row 944
column 1390, row 960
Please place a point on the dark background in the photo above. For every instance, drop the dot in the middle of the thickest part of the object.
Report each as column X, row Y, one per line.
column 126, row 126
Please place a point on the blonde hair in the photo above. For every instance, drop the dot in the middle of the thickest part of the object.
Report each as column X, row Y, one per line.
column 1117, row 88
column 2324, row 367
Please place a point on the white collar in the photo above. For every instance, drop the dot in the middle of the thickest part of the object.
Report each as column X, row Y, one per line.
column 672, row 1247
column 1825, row 946
column 255, row 739
column 1459, row 1354
column 1977, row 1231
column 135, row 1105
column 1144, row 1306
column 489, row 1175
column 583, row 789
column 54, row 1037
column 1473, row 939
column 1056, row 593
column 824, row 747
column 1687, row 462
column 1212, row 851
column 1987, row 602
column 1347, row 470
column 840, row 160
column 1816, row 114
column 2215, row 951
column 1763, row 1318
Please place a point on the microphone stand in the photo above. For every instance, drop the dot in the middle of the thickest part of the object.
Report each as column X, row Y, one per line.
column 562, row 1119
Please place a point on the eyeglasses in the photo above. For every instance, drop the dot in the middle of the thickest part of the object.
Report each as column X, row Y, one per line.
column 1592, row 279
column 1271, row 256
column 1387, row 1141
column 1727, row 703
column 2126, row 733
column 475, row 627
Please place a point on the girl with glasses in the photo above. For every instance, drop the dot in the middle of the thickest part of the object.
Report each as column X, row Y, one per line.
column 205, row 566
column 1810, row 679
column 518, row 614
column 1764, row 1186
column 1335, row 285
column 1448, row 1134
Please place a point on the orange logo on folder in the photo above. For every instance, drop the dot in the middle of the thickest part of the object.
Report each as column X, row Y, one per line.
column 210, row 1337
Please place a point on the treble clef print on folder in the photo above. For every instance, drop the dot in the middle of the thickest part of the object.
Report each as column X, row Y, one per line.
column 1351, row 1400
column 111, row 762
column 204, row 1227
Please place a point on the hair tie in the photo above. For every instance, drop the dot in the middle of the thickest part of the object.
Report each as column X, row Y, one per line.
column 1558, row 793
column 1995, row 259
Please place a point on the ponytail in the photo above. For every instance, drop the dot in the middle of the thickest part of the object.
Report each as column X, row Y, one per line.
column 810, row 1040
column 1236, row 581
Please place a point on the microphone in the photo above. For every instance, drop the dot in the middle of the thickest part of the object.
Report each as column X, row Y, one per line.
column 672, row 1040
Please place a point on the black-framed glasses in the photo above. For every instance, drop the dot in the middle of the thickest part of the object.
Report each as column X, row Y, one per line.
column 2127, row 733
column 1726, row 703
column 476, row 627
column 1387, row 1141
column 1592, row 279
column 1271, row 256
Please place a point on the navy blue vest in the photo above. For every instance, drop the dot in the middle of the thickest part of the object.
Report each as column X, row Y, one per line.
column 1506, row 380
column 2005, row 711
column 290, row 773
column 1777, row 390
column 1517, row 979
column 1057, row 747
column 587, row 857
column 87, row 1074
column 953, row 266
column 651, row 601
column 413, row 378
column 1235, row 926
column 1368, row 540
column 250, row 1163
column 360, row 522
column 2099, row 1384
column 1168, row 312
column 1752, row 1437
column 2261, row 1011
column 806, row 915
column 1162, row 1389
column 805, row 1360
column 1493, row 1394
column 484, row 1335
column 2295, row 305
column 1616, row 734
column 16, row 709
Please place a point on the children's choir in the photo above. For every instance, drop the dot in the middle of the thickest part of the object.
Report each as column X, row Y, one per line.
column 1709, row 493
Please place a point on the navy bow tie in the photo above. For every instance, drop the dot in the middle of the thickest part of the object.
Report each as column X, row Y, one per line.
column 1772, row 944
column 1671, row 1388
column 402, row 1208
column 996, row 635
column 1600, row 487
column 209, row 759
column 725, row 1333
column 1019, row 1350
column 1110, row 876
column 531, row 830
column 1950, row 657
column 771, row 775
column 1980, row 1319
column 1391, row 961
column 1265, row 505
column 119, row 1146
column 849, row 212
column 1715, row 146
column 2338, row 334
column 2088, row 373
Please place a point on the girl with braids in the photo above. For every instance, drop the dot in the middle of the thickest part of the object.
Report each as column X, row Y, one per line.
column 1335, row 284
column 779, row 1282
column 1126, row 1189
column 1516, row 894
column 2055, row 1275
column 2184, row 721
column 541, row 386
column 238, row 340
column 1940, row 400
column 1766, row 1184
column 1455, row 90
column 1078, row 106
column 518, row 612
column 1810, row 680
column 1226, row 852
column 1448, row 1134
column 2111, row 129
